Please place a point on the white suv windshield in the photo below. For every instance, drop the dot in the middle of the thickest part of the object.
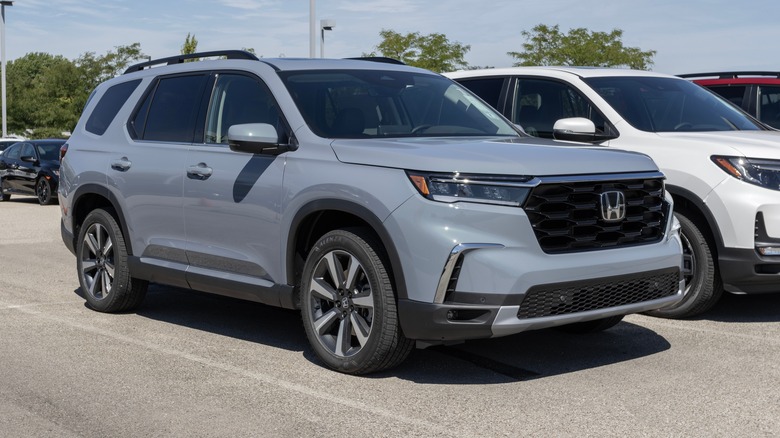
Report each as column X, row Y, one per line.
column 370, row 103
column 668, row 104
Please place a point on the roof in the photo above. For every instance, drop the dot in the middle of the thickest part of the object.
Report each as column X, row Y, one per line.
column 558, row 71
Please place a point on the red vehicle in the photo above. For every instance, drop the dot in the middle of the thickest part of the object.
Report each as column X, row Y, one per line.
column 756, row 92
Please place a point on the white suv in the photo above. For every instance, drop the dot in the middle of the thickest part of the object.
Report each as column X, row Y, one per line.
column 723, row 167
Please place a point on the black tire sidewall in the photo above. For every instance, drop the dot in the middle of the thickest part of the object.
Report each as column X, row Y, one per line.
column 121, row 284
column 47, row 199
column 705, row 288
column 348, row 241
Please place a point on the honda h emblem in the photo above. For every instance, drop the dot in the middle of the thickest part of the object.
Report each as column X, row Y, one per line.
column 613, row 206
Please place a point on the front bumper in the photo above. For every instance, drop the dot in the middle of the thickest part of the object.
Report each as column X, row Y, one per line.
column 543, row 306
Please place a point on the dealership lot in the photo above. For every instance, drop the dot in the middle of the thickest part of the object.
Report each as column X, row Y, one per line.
column 190, row 364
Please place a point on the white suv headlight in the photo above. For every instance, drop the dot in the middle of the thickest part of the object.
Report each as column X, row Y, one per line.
column 764, row 173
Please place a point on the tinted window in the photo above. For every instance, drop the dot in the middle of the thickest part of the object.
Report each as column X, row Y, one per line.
column 373, row 103
column 28, row 150
column 488, row 89
column 769, row 105
column 238, row 99
column 734, row 94
column 666, row 104
column 540, row 103
column 171, row 109
column 49, row 151
column 109, row 105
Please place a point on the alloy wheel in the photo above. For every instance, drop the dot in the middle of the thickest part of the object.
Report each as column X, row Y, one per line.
column 342, row 303
column 97, row 263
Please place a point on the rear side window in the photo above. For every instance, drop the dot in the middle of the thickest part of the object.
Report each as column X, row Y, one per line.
column 170, row 110
column 489, row 89
column 734, row 94
column 109, row 105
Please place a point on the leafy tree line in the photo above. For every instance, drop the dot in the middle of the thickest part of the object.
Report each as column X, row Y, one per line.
column 46, row 93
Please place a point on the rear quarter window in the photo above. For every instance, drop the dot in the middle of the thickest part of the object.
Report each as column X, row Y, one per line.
column 110, row 104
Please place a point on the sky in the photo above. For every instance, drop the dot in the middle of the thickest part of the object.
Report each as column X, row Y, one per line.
column 689, row 36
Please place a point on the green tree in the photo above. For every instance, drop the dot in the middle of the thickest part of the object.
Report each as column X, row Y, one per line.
column 190, row 46
column 46, row 93
column 433, row 52
column 547, row 45
column 42, row 90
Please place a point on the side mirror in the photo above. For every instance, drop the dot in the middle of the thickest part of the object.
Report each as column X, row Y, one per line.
column 575, row 129
column 256, row 138
column 28, row 158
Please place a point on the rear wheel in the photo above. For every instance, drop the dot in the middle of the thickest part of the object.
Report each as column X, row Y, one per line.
column 43, row 191
column 703, row 287
column 5, row 196
column 348, row 304
column 102, row 266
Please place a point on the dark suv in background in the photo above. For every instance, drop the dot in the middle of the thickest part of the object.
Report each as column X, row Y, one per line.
column 31, row 167
column 756, row 92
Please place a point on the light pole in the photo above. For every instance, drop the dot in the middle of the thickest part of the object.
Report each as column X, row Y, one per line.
column 325, row 25
column 312, row 29
column 3, row 4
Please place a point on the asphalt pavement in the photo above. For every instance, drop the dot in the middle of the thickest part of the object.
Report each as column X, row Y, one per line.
column 196, row 365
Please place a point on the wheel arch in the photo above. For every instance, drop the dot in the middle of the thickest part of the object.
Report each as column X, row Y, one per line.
column 688, row 204
column 318, row 217
column 91, row 196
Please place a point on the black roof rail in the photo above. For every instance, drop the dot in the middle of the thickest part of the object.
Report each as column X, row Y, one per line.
column 229, row 54
column 731, row 74
column 384, row 59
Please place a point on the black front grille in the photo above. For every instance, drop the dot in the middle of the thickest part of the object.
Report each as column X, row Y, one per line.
column 566, row 217
column 566, row 298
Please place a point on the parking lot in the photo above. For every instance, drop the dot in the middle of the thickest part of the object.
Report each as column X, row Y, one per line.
column 190, row 364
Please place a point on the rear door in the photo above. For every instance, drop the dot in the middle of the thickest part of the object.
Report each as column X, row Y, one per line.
column 149, row 173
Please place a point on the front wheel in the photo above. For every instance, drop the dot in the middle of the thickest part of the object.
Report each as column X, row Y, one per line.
column 102, row 267
column 703, row 287
column 43, row 191
column 348, row 304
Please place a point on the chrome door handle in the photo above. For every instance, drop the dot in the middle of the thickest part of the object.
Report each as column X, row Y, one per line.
column 201, row 171
column 121, row 164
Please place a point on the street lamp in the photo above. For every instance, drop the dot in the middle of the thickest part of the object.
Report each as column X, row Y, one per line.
column 325, row 25
column 3, row 4
column 312, row 38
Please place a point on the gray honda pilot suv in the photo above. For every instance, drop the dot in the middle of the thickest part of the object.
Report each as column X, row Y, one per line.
column 387, row 203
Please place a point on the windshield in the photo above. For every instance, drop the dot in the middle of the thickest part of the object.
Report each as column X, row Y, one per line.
column 370, row 104
column 668, row 104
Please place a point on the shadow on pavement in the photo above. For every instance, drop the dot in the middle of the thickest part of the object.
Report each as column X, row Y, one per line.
column 745, row 308
column 525, row 356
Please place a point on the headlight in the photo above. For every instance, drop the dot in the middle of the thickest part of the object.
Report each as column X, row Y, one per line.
column 483, row 189
column 764, row 173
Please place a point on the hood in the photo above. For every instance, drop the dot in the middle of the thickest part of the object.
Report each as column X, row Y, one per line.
column 753, row 144
column 518, row 156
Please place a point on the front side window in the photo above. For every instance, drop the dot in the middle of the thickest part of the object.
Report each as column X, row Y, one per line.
column 733, row 93
column 235, row 100
column 539, row 103
column 373, row 103
column 169, row 111
column 28, row 150
column 656, row 104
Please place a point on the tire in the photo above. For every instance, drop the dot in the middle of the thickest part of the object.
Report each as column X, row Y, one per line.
column 101, row 260
column 597, row 325
column 703, row 287
column 348, row 304
column 43, row 191
column 5, row 196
